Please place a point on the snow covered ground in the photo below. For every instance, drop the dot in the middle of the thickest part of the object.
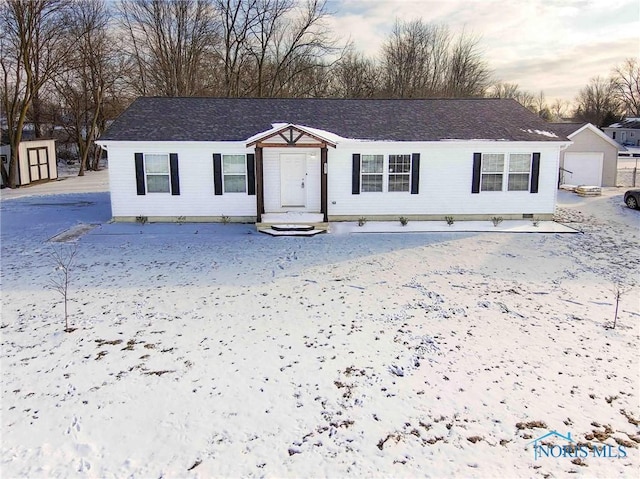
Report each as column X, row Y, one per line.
column 215, row 351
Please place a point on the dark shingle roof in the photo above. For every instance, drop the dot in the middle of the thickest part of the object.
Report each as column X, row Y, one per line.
column 236, row 119
column 566, row 129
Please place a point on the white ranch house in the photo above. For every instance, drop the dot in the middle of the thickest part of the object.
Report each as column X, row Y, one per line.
column 213, row 159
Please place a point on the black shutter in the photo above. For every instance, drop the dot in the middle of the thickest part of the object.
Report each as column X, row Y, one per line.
column 140, row 173
column 415, row 173
column 477, row 165
column 175, row 177
column 355, row 174
column 217, row 173
column 251, row 174
column 535, row 172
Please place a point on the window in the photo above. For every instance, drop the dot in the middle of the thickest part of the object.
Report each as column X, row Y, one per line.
column 234, row 172
column 492, row 171
column 156, row 169
column 399, row 172
column 372, row 173
column 519, row 170
column 614, row 135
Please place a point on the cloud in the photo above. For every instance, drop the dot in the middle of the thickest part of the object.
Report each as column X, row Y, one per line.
column 550, row 45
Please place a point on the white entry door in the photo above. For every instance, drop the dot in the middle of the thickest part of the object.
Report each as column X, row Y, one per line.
column 293, row 175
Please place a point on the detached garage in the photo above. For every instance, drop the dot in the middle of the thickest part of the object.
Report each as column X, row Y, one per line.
column 591, row 160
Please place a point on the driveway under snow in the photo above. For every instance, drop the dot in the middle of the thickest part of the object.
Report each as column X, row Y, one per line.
column 215, row 351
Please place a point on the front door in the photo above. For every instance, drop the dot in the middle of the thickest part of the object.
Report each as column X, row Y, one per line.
column 293, row 175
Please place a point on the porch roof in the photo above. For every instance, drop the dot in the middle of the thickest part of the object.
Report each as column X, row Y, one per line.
column 295, row 133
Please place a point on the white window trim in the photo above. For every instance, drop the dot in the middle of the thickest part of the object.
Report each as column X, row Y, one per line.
column 362, row 174
column 389, row 174
column 385, row 172
column 505, row 171
column 168, row 175
column 507, row 168
column 245, row 174
column 482, row 173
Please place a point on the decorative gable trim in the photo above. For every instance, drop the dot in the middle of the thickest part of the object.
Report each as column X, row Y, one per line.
column 290, row 136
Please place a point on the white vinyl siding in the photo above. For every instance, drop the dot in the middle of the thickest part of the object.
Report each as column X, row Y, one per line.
column 446, row 173
column 234, row 172
column 156, row 168
column 445, row 179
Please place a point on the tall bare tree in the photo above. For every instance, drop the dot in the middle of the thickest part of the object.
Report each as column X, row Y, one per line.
column 92, row 75
column 425, row 60
column 355, row 76
column 170, row 43
column 35, row 44
column 627, row 78
column 467, row 73
column 512, row 90
column 598, row 102
column 415, row 59
column 559, row 109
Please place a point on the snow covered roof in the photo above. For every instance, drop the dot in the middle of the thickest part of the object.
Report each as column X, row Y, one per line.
column 237, row 119
column 632, row 123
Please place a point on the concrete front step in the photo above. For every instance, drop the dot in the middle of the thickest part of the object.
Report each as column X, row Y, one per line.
column 293, row 227
column 293, row 224
column 274, row 232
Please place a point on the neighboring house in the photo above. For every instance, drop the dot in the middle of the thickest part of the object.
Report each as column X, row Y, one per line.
column 36, row 160
column 626, row 132
column 209, row 159
column 591, row 160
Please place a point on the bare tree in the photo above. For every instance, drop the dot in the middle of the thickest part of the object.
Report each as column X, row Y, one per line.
column 627, row 78
column 559, row 109
column 355, row 76
column 619, row 289
column 512, row 90
column 467, row 72
column 170, row 43
column 93, row 72
column 598, row 102
column 301, row 43
column 35, row 45
column 415, row 58
column 424, row 60
column 63, row 261
column 238, row 17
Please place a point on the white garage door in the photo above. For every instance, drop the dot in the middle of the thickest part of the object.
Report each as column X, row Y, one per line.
column 585, row 168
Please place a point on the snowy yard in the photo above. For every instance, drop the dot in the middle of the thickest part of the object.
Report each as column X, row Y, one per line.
column 215, row 351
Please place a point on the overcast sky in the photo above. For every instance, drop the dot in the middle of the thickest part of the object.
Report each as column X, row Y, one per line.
column 551, row 45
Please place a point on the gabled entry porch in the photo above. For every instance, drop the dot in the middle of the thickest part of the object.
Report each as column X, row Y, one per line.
column 291, row 176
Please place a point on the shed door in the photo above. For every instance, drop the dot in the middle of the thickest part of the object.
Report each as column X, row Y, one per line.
column 38, row 163
column 293, row 175
column 586, row 168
